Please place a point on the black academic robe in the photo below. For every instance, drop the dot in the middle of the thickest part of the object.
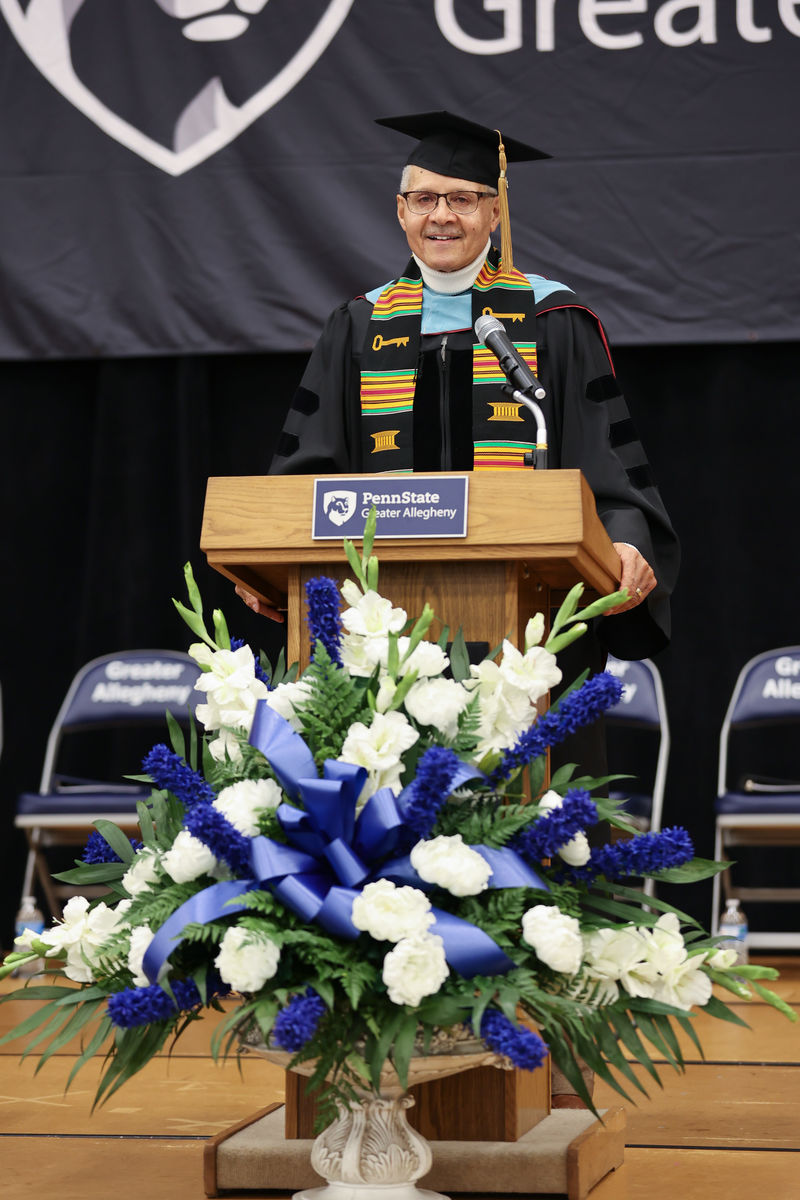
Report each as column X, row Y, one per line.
column 589, row 427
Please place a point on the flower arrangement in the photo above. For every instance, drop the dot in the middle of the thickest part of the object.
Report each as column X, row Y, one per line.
column 368, row 853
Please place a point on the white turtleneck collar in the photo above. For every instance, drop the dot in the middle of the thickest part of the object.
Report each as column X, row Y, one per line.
column 452, row 282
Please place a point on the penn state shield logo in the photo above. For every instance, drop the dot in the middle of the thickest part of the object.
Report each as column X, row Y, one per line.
column 339, row 506
column 174, row 80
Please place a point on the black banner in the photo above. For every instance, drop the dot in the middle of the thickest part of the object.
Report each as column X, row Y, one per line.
column 194, row 176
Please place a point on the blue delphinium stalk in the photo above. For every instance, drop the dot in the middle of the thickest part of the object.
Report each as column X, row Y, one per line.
column 579, row 708
column 297, row 1022
column 553, row 829
column 223, row 839
column 236, row 644
column 97, row 849
column 646, row 854
column 429, row 789
column 324, row 622
column 524, row 1047
column 140, row 1006
column 168, row 771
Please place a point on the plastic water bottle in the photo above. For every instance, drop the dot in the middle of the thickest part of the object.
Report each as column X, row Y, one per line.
column 29, row 917
column 733, row 927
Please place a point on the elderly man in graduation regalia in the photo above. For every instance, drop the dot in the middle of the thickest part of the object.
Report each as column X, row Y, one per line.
column 397, row 382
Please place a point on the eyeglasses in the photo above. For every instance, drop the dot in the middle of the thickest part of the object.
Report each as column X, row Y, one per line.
column 462, row 203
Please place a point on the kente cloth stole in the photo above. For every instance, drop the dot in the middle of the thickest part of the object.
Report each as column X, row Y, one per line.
column 503, row 430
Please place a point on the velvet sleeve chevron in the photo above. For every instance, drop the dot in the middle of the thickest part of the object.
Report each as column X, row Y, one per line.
column 321, row 432
column 591, row 428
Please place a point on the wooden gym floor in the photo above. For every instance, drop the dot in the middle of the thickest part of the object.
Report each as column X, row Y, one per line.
column 727, row 1128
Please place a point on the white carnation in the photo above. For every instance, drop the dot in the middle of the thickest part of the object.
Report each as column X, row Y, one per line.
column 437, row 702
column 388, row 913
column 577, row 851
column 427, row 659
column 554, row 936
column 286, row 698
column 246, row 959
column 449, row 863
column 243, row 802
column 141, row 937
column 143, row 871
column 415, row 968
column 188, row 858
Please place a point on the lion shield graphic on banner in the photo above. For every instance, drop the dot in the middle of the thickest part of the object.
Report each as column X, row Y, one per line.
column 174, row 80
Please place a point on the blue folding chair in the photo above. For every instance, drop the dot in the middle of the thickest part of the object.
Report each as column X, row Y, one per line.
column 641, row 707
column 130, row 690
column 759, row 810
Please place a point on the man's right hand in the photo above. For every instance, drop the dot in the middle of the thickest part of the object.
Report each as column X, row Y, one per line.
column 258, row 606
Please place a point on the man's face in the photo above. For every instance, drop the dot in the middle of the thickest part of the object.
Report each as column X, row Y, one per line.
column 443, row 240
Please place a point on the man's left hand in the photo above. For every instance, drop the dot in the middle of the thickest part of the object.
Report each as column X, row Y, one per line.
column 637, row 577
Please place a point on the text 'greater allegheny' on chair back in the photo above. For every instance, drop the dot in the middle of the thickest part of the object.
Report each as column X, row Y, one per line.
column 109, row 696
column 761, row 807
column 641, row 708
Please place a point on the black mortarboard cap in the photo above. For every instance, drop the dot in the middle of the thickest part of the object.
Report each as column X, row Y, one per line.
column 462, row 149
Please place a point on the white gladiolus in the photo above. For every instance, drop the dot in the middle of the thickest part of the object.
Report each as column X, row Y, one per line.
column 379, row 748
column 415, row 968
column 722, row 959
column 680, row 981
column 143, row 871
column 231, row 686
column 505, row 711
column 243, row 802
column 621, row 956
column 388, row 913
column 246, row 959
column 386, row 692
column 437, row 702
column 554, row 936
column 81, row 935
column 534, row 631
column 533, row 673
column 188, row 858
column 370, row 614
column 685, row 984
column 360, row 655
column 449, row 863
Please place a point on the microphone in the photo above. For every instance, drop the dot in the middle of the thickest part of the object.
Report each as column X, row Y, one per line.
column 492, row 333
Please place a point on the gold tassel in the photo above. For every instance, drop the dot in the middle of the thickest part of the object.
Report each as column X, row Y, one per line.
column 505, row 216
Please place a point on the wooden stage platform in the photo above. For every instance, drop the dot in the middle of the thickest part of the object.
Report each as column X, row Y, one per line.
column 728, row 1128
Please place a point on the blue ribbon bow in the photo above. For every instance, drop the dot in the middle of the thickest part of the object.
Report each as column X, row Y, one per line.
column 332, row 854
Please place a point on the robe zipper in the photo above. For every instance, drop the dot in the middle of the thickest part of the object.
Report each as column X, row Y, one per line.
column 444, row 406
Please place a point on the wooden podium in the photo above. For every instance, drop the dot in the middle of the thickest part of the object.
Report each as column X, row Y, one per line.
column 529, row 535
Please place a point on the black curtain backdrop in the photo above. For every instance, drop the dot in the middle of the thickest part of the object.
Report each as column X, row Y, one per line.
column 104, row 472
